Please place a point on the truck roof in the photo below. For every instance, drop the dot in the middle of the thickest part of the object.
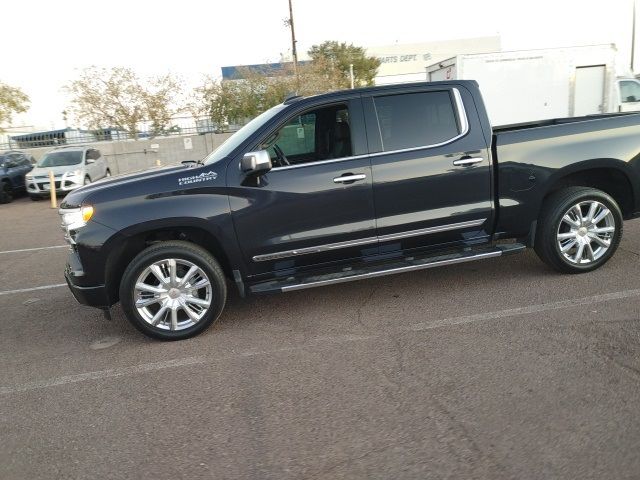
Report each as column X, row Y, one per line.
column 380, row 88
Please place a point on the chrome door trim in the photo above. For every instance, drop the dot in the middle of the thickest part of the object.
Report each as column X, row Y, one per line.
column 391, row 271
column 467, row 161
column 430, row 230
column 321, row 162
column 350, row 178
column 365, row 241
column 317, row 249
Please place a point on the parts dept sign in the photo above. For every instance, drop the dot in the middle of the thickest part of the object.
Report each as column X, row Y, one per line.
column 203, row 177
column 414, row 57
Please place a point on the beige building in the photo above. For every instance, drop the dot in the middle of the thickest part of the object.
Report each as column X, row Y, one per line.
column 407, row 62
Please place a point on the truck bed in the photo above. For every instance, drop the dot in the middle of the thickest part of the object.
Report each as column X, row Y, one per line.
column 531, row 157
column 555, row 121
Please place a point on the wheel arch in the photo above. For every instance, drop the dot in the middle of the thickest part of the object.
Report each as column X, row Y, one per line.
column 614, row 177
column 139, row 237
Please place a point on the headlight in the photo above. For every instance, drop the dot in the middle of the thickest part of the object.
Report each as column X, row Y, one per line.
column 73, row 219
column 29, row 177
column 74, row 173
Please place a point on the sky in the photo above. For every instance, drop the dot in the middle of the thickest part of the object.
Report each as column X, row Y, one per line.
column 46, row 43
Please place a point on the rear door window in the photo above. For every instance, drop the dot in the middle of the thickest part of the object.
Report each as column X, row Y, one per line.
column 416, row 119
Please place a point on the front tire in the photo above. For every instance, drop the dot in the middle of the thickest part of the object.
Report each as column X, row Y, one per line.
column 579, row 229
column 173, row 290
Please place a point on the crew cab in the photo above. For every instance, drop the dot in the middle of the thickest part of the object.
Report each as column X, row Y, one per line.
column 345, row 186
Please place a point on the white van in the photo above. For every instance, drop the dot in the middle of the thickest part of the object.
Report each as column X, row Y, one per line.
column 529, row 85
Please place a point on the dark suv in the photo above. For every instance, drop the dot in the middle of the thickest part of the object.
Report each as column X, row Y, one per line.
column 14, row 165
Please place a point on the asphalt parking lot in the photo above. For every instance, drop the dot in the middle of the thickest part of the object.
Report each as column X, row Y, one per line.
column 495, row 369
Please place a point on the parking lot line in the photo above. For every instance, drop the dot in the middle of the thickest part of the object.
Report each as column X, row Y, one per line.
column 512, row 312
column 33, row 249
column 43, row 287
column 115, row 372
column 318, row 341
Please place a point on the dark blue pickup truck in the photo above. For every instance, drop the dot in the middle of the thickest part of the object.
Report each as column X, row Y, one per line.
column 346, row 186
column 14, row 165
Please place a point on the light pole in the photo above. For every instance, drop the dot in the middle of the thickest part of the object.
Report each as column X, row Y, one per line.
column 294, row 52
column 633, row 35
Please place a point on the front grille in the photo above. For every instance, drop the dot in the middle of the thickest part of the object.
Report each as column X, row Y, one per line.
column 42, row 185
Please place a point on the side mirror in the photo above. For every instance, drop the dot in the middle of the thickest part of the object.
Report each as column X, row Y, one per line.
column 89, row 161
column 631, row 98
column 256, row 163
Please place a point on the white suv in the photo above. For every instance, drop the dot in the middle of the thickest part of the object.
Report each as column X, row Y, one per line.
column 72, row 167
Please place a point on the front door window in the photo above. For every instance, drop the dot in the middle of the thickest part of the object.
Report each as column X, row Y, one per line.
column 315, row 135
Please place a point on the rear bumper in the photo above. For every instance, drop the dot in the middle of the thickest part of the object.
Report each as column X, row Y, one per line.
column 94, row 296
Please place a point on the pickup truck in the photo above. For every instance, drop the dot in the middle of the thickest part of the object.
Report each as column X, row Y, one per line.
column 346, row 186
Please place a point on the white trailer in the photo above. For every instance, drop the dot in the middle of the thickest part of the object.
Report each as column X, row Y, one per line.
column 527, row 85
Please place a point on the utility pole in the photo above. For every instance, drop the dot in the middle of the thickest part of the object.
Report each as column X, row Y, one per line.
column 294, row 53
column 633, row 35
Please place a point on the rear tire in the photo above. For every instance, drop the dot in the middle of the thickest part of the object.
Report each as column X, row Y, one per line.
column 6, row 193
column 579, row 229
column 173, row 290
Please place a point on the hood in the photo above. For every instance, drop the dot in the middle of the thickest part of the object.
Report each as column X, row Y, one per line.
column 76, row 197
column 57, row 171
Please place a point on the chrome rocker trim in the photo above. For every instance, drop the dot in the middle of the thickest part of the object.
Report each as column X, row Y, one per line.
column 367, row 240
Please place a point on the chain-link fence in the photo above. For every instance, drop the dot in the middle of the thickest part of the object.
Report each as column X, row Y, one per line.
column 74, row 136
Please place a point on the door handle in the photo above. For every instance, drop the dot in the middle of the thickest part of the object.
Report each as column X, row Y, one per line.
column 349, row 178
column 463, row 162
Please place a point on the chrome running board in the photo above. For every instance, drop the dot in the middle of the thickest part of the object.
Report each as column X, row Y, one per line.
column 365, row 271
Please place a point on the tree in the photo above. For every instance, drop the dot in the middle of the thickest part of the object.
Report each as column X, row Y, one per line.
column 340, row 55
column 236, row 101
column 12, row 101
column 118, row 98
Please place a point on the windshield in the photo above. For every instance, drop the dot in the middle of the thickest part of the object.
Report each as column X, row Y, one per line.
column 630, row 91
column 241, row 135
column 61, row 159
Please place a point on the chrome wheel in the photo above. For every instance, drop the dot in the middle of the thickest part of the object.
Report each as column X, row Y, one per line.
column 172, row 294
column 585, row 232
